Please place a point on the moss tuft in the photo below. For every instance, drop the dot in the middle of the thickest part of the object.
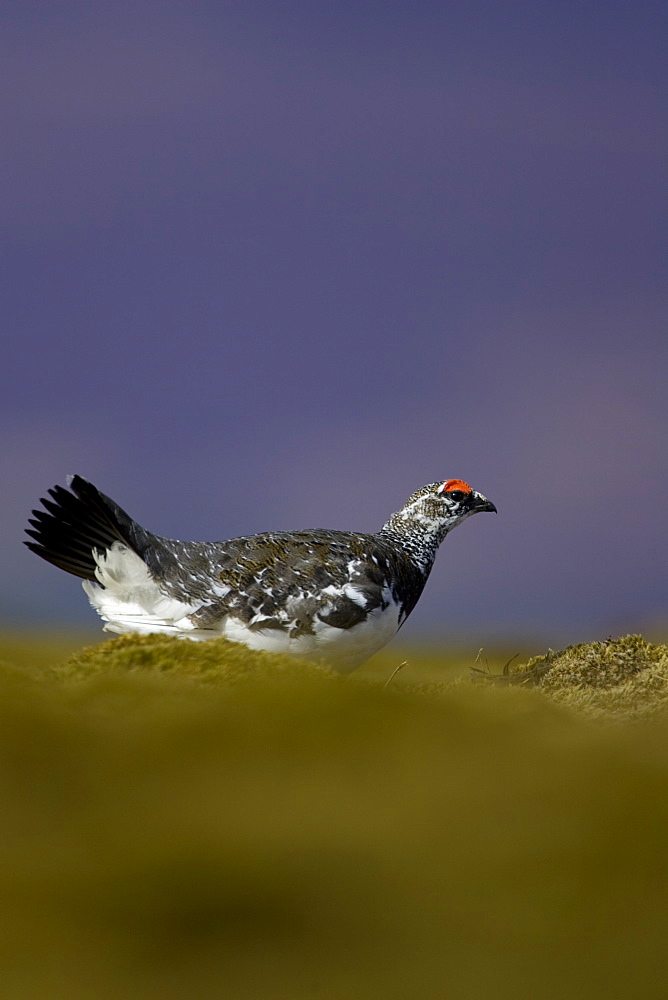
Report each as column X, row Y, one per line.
column 216, row 662
column 621, row 678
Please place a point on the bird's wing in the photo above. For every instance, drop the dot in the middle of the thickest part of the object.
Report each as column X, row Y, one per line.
column 287, row 580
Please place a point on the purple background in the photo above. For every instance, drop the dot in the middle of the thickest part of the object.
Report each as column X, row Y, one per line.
column 276, row 265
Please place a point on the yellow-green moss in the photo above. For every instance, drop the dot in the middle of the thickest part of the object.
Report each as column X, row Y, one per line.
column 194, row 820
column 217, row 661
column 623, row 678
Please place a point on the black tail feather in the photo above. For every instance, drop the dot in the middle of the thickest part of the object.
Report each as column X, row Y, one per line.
column 76, row 523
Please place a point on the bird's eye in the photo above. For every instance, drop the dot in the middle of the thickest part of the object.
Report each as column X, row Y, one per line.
column 456, row 495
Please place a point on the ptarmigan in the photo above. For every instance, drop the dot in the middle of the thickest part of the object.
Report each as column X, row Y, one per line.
column 332, row 595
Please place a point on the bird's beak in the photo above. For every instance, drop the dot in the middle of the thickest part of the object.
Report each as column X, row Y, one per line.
column 478, row 502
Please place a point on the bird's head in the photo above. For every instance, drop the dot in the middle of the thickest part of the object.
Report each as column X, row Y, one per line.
column 456, row 499
column 437, row 508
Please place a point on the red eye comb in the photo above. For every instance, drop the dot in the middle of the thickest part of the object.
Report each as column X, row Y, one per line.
column 456, row 484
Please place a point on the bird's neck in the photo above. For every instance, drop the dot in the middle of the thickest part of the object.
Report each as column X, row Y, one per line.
column 418, row 537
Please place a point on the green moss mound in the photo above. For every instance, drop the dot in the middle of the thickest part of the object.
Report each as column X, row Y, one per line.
column 194, row 820
column 214, row 662
column 625, row 678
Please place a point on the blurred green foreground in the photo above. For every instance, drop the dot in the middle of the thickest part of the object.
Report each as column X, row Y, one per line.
column 188, row 820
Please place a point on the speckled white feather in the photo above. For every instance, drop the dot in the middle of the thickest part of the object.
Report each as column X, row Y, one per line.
column 129, row 599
